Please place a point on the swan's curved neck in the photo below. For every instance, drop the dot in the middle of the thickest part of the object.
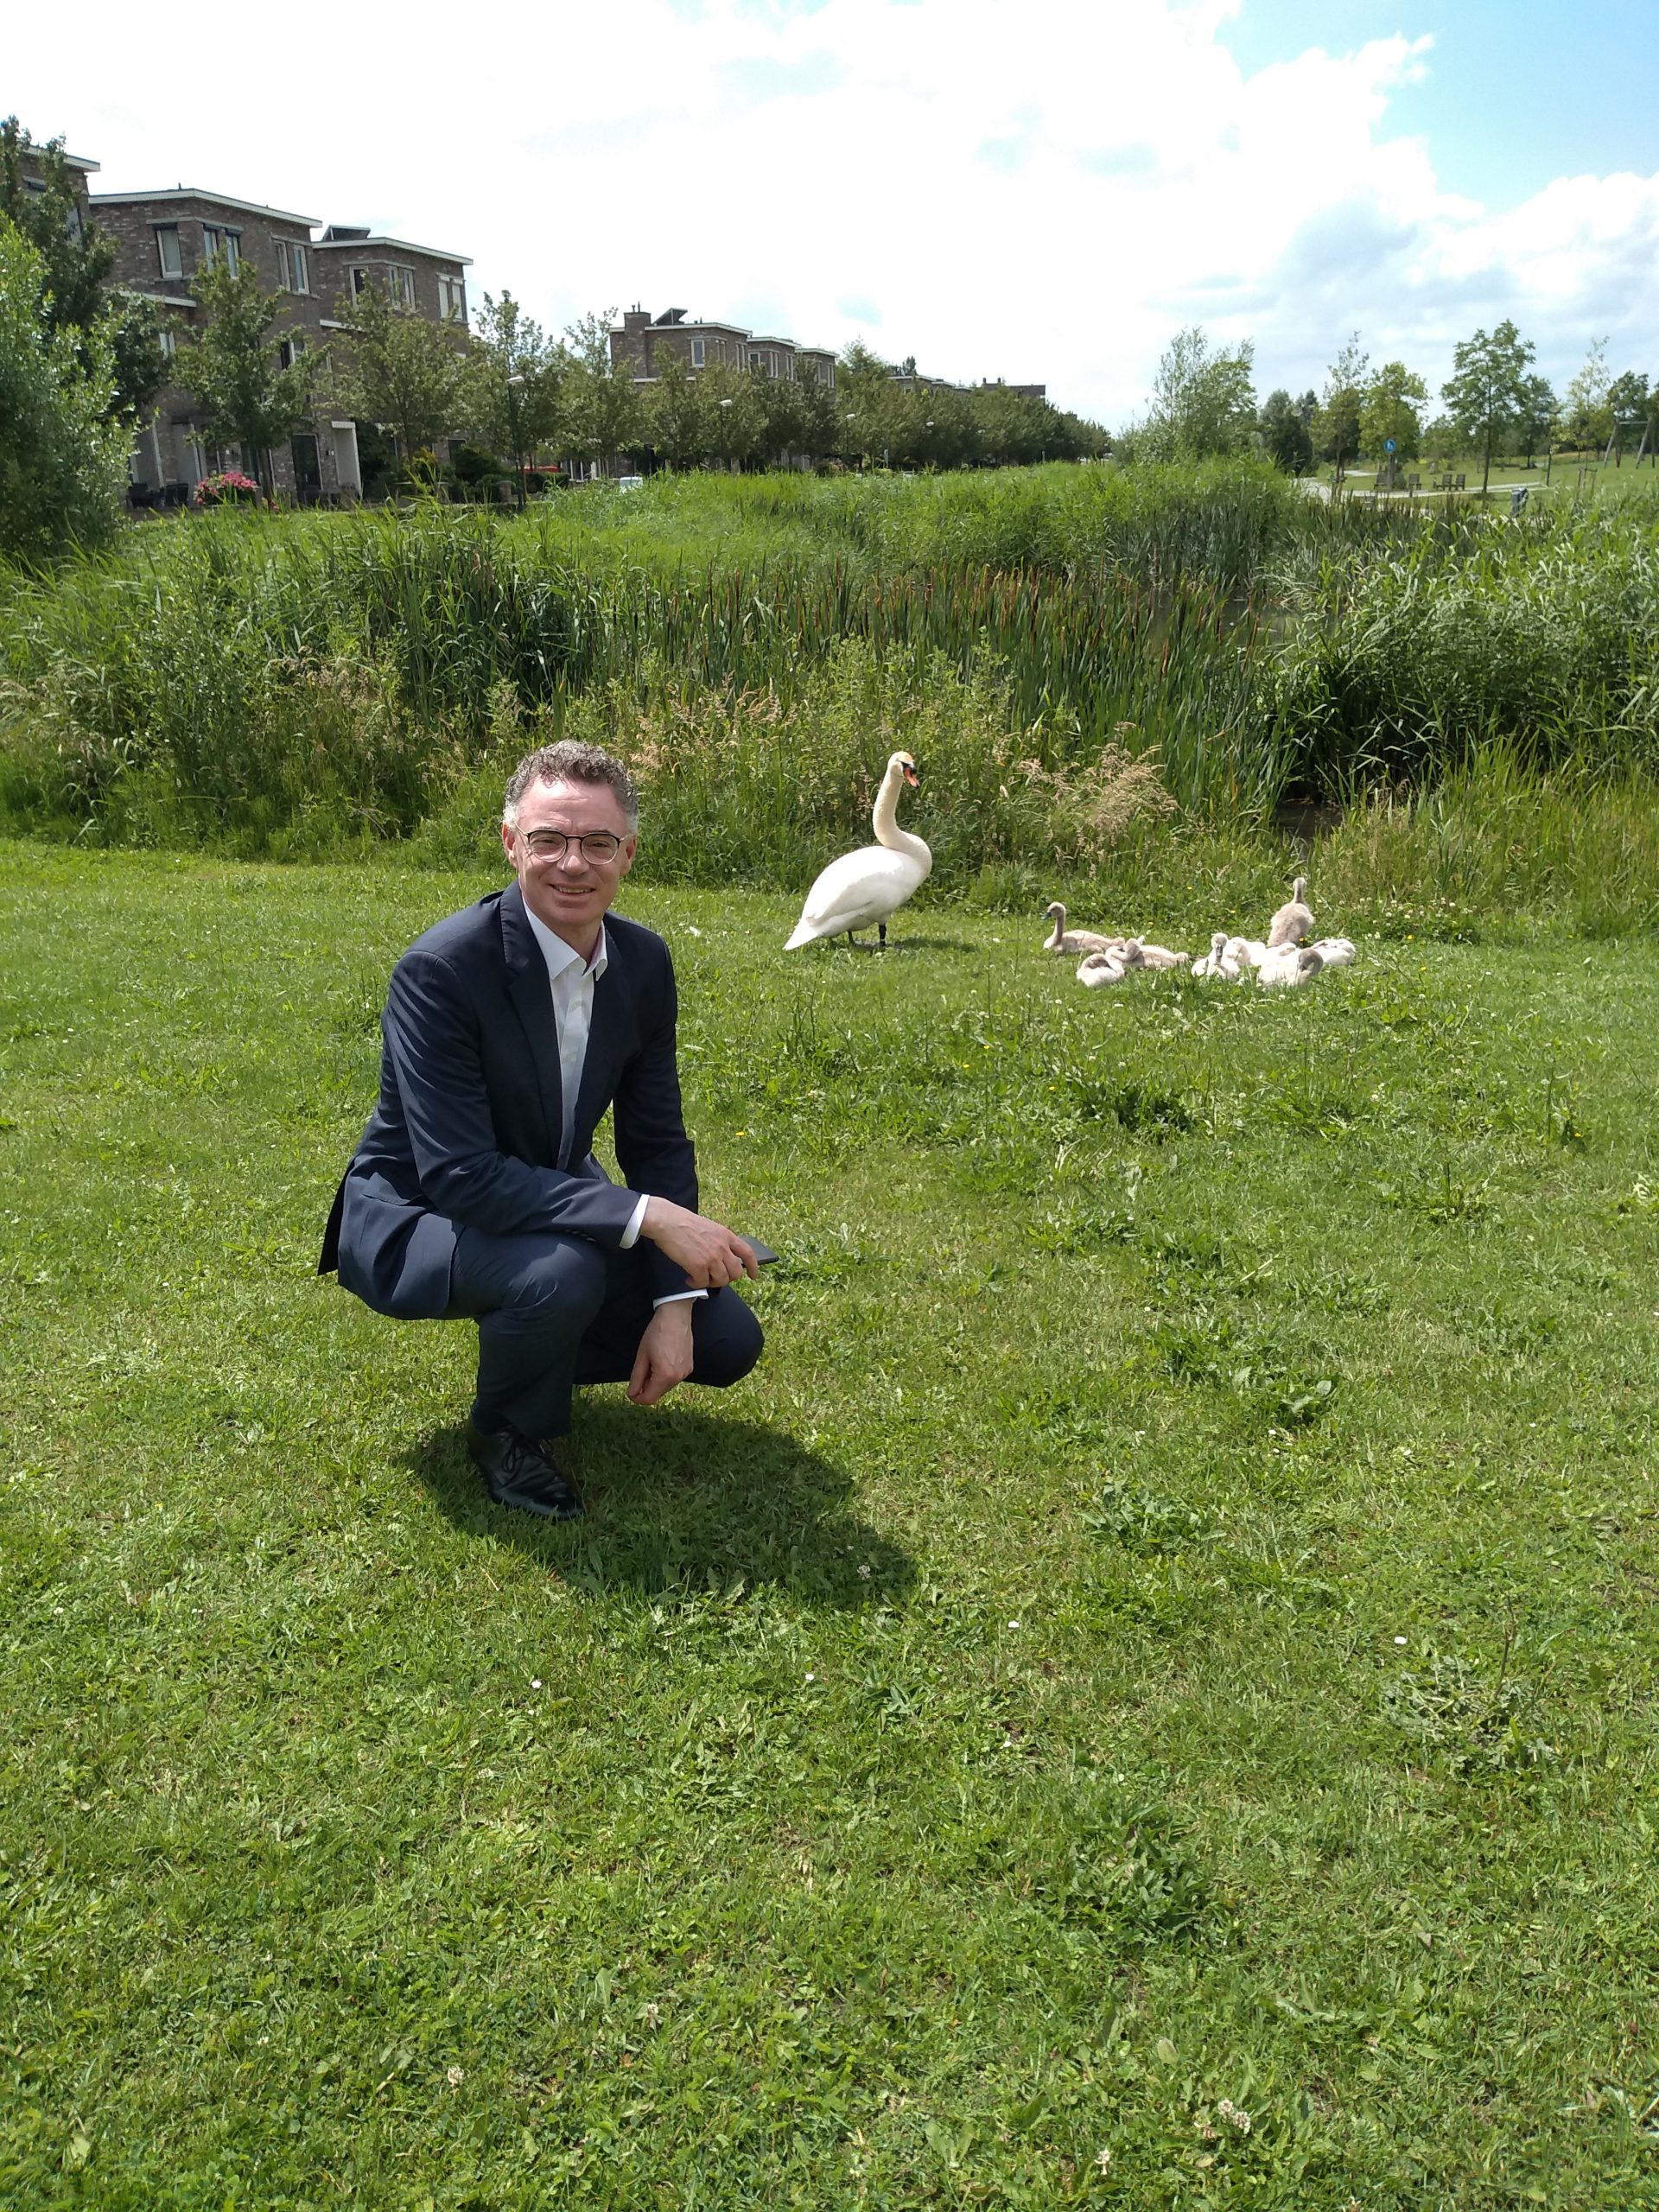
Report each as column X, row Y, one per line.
column 1057, row 943
column 886, row 819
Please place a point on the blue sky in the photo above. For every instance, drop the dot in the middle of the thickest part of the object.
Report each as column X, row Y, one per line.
column 1039, row 189
column 1518, row 92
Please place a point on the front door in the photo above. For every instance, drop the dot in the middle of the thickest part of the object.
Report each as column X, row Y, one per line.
column 307, row 468
column 347, row 467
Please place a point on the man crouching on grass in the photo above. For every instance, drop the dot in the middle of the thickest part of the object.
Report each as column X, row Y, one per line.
column 509, row 1029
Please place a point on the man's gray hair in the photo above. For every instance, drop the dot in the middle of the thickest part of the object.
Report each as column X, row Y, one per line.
column 571, row 761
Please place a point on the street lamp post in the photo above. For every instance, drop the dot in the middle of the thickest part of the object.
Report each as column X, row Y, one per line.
column 513, row 382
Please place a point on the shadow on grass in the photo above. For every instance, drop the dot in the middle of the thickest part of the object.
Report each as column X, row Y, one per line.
column 680, row 1500
column 899, row 944
column 956, row 944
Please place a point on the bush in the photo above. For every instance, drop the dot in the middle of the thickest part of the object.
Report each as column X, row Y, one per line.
column 228, row 488
column 62, row 462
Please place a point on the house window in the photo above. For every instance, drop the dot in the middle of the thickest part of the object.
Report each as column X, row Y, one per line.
column 291, row 271
column 401, row 283
column 217, row 241
column 360, row 283
column 167, row 250
column 168, row 340
column 290, row 349
column 697, row 349
column 452, row 299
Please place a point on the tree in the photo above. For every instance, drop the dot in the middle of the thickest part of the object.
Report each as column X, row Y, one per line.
column 821, row 426
column 231, row 366
column 868, row 399
column 398, row 370
column 1012, row 429
column 75, row 254
column 1631, row 404
column 782, row 422
column 1388, row 409
column 606, row 414
column 1283, row 433
column 1486, row 392
column 511, row 397
column 1589, row 415
column 677, row 413
column 133, row 325
column 1203, row 402
column 736, row 424
column 1335, row 428
column 76, row 258
column 63, row 461
column 1538, row 418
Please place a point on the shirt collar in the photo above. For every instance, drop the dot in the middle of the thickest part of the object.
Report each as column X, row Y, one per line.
column 559, row 955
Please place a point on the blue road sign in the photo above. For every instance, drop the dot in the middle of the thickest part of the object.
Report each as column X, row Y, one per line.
column 1388, row 445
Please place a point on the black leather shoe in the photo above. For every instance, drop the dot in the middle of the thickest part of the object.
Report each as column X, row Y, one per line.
column 519, row 1473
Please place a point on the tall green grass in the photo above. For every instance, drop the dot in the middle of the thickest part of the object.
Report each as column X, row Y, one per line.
column 295, row 684
column 210, row 664
column 1543, row 635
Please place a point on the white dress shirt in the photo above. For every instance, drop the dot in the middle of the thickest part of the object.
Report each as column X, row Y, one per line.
column 572, row 980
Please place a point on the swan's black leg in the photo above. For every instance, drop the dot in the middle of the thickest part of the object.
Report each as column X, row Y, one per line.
column 881, row 932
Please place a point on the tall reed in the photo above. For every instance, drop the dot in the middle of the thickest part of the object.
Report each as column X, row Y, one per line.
column 279, row 684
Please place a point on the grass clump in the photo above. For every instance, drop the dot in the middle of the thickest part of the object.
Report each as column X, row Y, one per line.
column 739, row 787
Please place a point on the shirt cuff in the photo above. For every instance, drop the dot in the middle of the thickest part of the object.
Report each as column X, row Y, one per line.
column 636, row 1221
column 678, row 1297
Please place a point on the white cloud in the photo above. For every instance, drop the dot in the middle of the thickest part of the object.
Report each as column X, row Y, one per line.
column 1033, row 188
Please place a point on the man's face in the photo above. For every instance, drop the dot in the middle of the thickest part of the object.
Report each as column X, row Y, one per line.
column 570, row 893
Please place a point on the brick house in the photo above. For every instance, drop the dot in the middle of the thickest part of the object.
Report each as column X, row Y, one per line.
column 79, row 170
column 643, row 340
column 424, row 277
column 164, row 238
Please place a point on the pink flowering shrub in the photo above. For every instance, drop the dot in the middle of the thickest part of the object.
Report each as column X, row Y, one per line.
column 228, row 488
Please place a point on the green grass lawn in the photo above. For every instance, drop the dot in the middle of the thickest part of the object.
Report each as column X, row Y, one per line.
column 1571, row 476
column 1145, row 1698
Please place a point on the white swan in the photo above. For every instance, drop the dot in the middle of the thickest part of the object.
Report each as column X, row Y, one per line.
column 1337, row 951
column 1246, row 951
column 1287, row 966
column 1295, row 919
column 1156, row 956
column 1066, row 940
column 1210, row 964
column 1219, row 961
column 1096, row 969
column 867, row 885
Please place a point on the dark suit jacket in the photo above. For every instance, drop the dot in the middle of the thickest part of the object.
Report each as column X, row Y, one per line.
column 466, row 1132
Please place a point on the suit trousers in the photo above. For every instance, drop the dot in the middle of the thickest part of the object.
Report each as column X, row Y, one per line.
column 556, row 1312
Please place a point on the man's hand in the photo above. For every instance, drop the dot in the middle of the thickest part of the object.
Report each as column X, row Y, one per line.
column 711, row 1254
column 664, row 1355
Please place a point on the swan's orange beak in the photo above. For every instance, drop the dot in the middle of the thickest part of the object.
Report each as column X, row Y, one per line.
column 912, row 773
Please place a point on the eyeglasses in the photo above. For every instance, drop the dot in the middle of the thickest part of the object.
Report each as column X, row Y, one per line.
column 599, row 846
